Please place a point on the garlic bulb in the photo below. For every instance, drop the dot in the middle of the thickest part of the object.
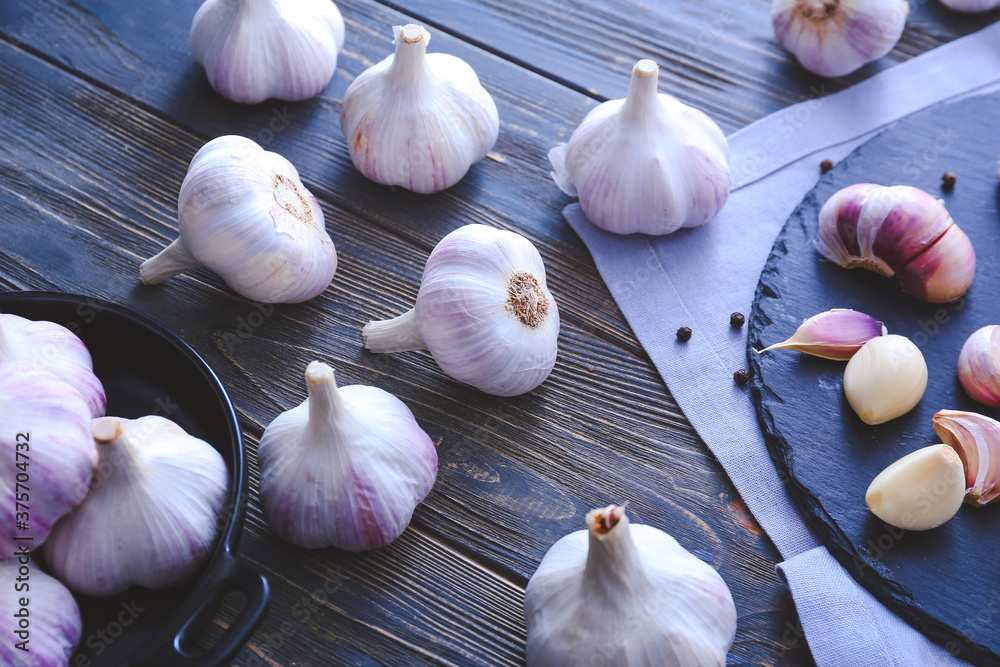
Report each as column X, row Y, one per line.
column 977, row 440
column 898, row 231
column 245, row 215
column 418, row 120
column 920, row 491
column 151, row 515
column 45, row 438
column 646, row 164
column 885, row 379
column 43, row 620
column 836, row 334
column 836, row 37
column 256, row 49
column 483, row 311
column 56, row 348
column 628, row 596
column 346, row 468
column 971, row 6
column 979, row 366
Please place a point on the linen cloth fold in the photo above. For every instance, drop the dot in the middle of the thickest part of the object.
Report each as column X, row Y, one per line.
column 697, row 277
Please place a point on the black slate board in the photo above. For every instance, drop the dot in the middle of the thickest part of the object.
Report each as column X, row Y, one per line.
column 944, row 582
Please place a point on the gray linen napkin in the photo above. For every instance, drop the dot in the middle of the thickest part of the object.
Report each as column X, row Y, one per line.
column 697, row 277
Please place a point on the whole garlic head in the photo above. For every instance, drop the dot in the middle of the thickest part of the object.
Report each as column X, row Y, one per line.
column 920, row 491
column 55, row 624
column 971, row 6
column 245, row 215
column 256, row 49
column 979, row 366
column 885, row 379
column 646, row 164
column 630, row 595
column 346, row 468
column 418, row 120
column 835, row 37
column 151, row 515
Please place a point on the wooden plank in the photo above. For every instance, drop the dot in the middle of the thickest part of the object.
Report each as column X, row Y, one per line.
column 100, row 175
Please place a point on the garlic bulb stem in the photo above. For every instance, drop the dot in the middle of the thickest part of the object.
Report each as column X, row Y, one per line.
column 115, row 450
column 400, row 334
column 409, row 65
column 169, row 262
column 641, row 101
column 613, row 563
column 325, row 402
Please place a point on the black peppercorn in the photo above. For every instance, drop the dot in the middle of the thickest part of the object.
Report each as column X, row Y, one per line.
column 741, row 377
column 684, row 334
column 826, row 165
column 736, row 320
column 948, row 180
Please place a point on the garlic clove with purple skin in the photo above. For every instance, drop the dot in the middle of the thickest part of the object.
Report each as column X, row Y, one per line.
column 253, row 50
column 630, row 587
column 55, row 626
column 56, row 348
column 979, row 366
column 976, row 438
column 898, row 231
column 835, row 37
column 920, row 491
column 646, row 164
column 245, row 215
column 836, row 334
column 346, row 468
column 483, row 311
column 151, row 515
column 971, row 6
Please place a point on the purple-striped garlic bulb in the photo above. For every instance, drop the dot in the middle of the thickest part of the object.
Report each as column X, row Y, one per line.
column 48, row 453
column 646, row 164
column 345, row 468
column 979, row 366
column 836, row 334
column 151, row 516
column 418, row 120
column 835, row 37
column 56, row 348
column 45, row 631
column 976, row 438
column 898, row 231
column 483, row 311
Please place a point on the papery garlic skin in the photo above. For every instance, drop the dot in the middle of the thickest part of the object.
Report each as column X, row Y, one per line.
column 836, row 37
column 44, row 427
column 632, row 588
column 483, row 311
column 152, row 513
column 979, row 366
column 920, row 491
column 898, row 231
column 646, row 164
column 253, row 50
column 976, row 438
column 346, row 468
column 885, row 379
column 836, row 334
column 55, row 625
column 56, row 348
column 971, row 6
column 418, row 120
column 245, row 215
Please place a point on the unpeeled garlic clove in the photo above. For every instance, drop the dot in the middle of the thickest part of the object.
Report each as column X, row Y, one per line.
column 836, row 334
column 979, row 366
column 898, row 231
column 885, row 379
column 920, row 491
column 835, row 37
column 976, row 438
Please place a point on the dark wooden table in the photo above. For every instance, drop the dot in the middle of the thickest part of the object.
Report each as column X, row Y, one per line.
column 102, row 108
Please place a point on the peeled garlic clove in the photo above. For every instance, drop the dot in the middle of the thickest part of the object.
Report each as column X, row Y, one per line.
column 979, row 366
column 483, row 311
column 898, row 231
column 920, row 491
column 836, row 334
column 346, row 468
column 253, row 50
column 646, row 164
column 151, row 515
column 245, row 215
column 54, row 625
column 835, row 37
column 56, row 348
column 885, row 379
column 418, row 120
column 971, row 6
column 976, row 438
column 629, row 594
